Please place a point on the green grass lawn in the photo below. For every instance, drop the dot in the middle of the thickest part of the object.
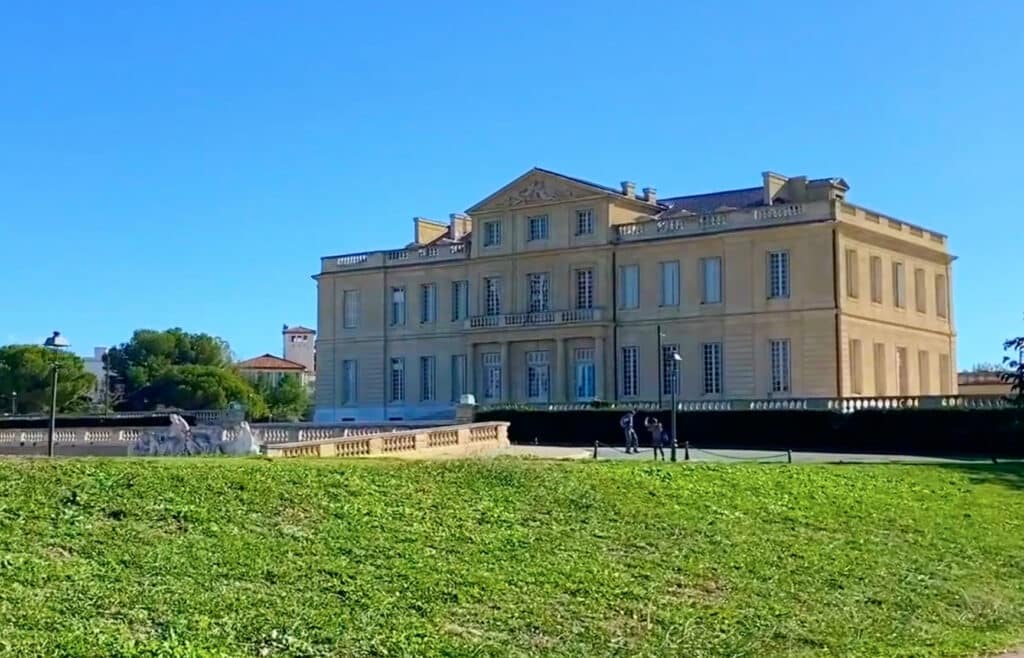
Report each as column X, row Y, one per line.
column 507, row 558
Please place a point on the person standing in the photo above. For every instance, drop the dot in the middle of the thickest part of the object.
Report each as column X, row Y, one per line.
column 657, row 431
column 626, row 423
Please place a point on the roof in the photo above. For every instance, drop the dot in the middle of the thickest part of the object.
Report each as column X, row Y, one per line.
column 711, row 201
column 270, row 362
column 985, row 377
column 298, row 330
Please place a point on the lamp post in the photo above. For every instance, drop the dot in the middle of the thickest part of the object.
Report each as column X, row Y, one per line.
column 14, row 403
column 676, row 359
column 56, row 342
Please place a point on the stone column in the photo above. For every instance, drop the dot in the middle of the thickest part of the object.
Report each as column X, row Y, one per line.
column 599, row 383
column 506, row 367
column 558, row 374
column 471, row 370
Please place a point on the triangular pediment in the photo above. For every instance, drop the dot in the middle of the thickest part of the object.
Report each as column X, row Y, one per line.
column 538, row 187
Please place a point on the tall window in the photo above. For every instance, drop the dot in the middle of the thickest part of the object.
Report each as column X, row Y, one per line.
column 941, row 298
column 712, row 356
column 945, row 376
column 778, row 274
column 584, row 221
column 669, row 370
column 537, row 376
column 880, row 387
column 350, row 309
column 539, row 291
column 856, row 367
column 428, row 378
column 779, row 350
column 492, row 295
column 460, row 300
column 902, row 371
column 585, row 288
column 876, row 279
column 920, row 292
column 398, row 380
column 397, row 306
column 586, row 388
column 899, row 286
column 537, row 228
column 852, row 274
column 924, row 372
column 458, row 376
column 492, row 233
column 630, row 275
column 670, row 283
column 492, row 375
column 630, row 371
column 711, row 280
column 428, row 303
column 349, row 382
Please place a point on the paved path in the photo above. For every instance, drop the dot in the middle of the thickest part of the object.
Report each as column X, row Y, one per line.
column 646, row 454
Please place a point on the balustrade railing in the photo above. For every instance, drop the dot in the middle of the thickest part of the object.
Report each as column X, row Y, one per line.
column 534, row 318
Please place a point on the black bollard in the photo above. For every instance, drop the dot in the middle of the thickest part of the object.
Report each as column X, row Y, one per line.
column 595, row 449
column 789, row 456
column 686, row 451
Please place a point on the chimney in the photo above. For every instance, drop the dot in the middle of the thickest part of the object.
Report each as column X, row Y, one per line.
column 628, row 189
column 650, row 195
column 459, row 225
column 427, row 230
column 773, row 184
column 284, row 328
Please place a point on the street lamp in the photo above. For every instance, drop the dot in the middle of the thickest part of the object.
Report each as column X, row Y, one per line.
column 676, row 360
column 56, row 342
column 14, row 403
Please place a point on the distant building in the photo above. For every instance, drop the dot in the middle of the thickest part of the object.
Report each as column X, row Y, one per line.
column 94, row 364
column 982, row 383
column 271, row 368
column 300, row 346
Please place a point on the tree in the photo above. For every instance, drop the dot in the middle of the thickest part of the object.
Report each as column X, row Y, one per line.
column 287, row 399
column 28, row 371
column 203, row 387
column 134, row 366
column 1014, row 369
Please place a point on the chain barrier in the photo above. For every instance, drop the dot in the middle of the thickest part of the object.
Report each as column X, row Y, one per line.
column 787, row 455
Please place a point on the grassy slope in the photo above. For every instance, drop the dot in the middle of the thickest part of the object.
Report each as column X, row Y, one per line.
column 213, row 557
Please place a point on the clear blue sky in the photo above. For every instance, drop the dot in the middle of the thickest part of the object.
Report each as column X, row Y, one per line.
column 168, row 164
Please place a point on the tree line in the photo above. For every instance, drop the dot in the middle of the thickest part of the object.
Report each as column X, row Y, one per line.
column 153, row 370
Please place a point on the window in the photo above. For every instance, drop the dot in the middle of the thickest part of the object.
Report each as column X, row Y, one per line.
column 537, row 376
column 349, row 382
column 712, row 353
column 586, row 388
column 428, row 302
column 428, row 378
column 941, row 298
column 585, row 222
column 492, row 233
column 778, row 274
column 945, row 376
column 630, row 286
column 899, row 286
column 880, row 388
column 711, row 280
column 398, row 380
column 585, row 288
column 670, row 283
column 856, row 367
column 669, row 370
column 902, row 374
column 852, row 274
column 539, row 291
column 537, row 228
column 458, row 377
column 397, row 307
column 779, row 365
column 492, row 295
column 460, row 300
column 876, row 279
column 350, row 309
column 924, row 373
column 630, row 372
column 492, row 375
column 920, row 294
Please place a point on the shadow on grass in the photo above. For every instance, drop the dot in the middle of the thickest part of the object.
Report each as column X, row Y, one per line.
column 1008, row 474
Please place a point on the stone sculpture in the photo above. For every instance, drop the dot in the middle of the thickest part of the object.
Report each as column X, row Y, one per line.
column 180, row 439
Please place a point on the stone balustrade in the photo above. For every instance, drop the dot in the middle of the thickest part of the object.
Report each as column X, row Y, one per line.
column 395, row 257
column 535, row 318
column 725, row 220
column 844, row 405
column 424, row 441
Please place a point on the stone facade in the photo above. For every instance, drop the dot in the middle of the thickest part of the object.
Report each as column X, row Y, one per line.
column 554, row 289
